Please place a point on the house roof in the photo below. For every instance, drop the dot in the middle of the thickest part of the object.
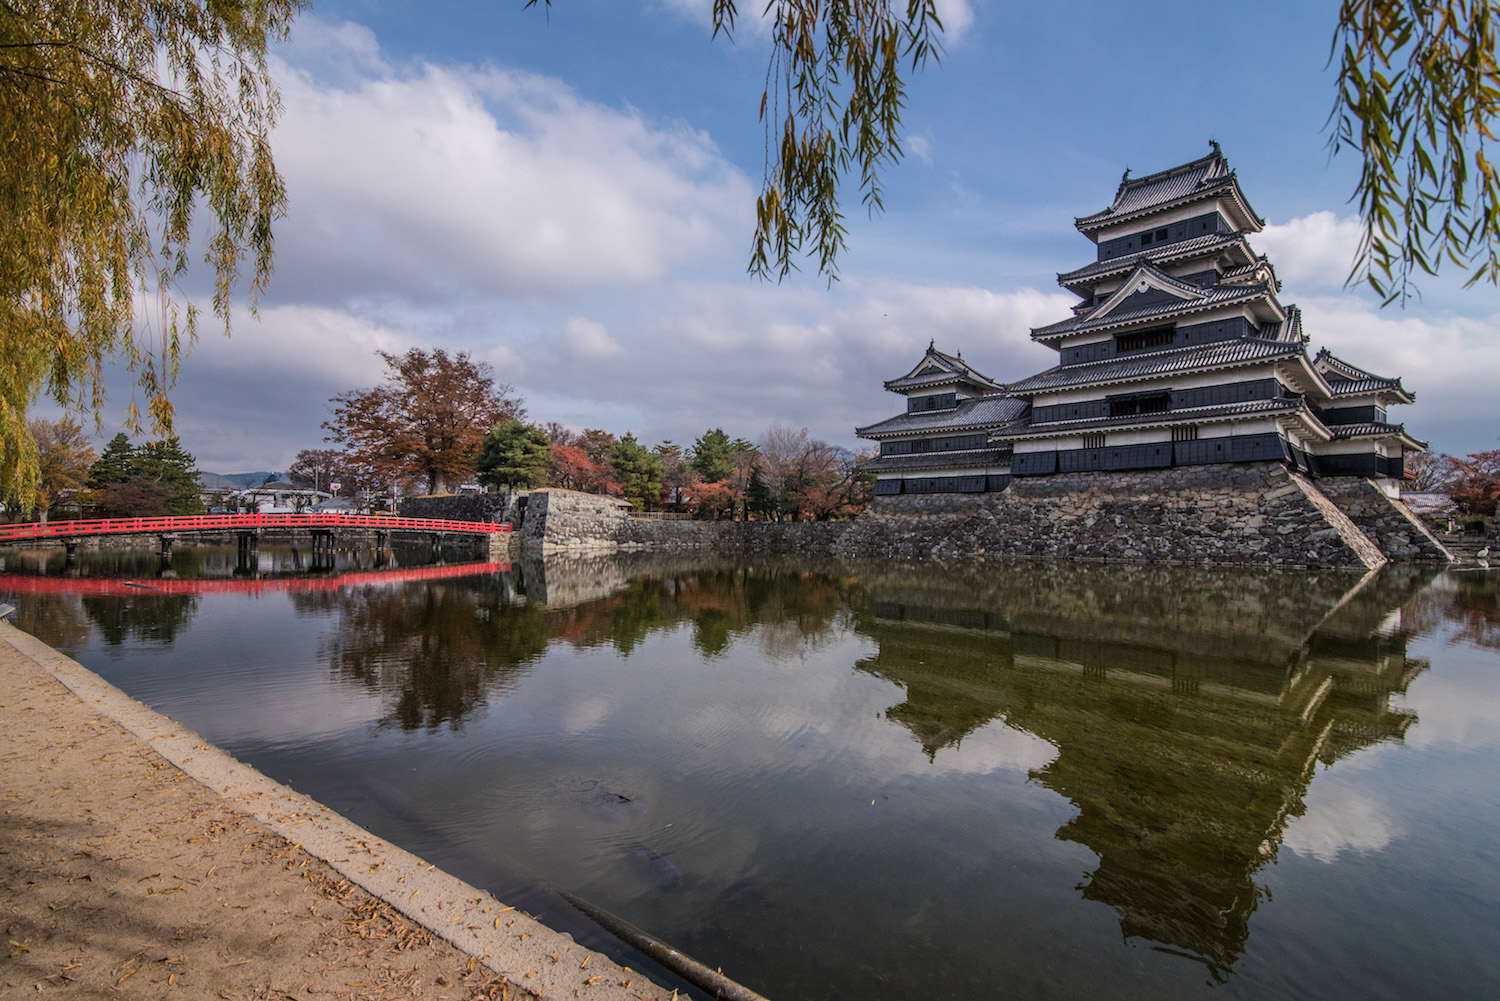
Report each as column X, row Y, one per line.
column 1217, row 354
column 1346, row 380
column 938, row 368
column 970, row 415
column 1138, row 197
column 1428, row 502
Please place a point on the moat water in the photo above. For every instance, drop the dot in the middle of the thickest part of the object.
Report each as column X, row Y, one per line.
column 860, row 781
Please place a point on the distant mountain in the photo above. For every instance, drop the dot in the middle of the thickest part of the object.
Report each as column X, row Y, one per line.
column 248, row 479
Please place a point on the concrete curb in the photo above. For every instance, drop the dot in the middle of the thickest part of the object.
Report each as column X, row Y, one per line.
column 511, row 944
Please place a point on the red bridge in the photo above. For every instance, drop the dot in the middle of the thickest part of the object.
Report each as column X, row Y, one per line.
column 241, row 523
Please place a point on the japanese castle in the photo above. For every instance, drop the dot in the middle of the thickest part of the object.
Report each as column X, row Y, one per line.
column 1178, row 353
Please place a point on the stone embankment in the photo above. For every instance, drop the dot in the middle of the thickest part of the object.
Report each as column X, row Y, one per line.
column 1254, row 514
column 564, row 520
column 1400, row 535
column 1259, row 514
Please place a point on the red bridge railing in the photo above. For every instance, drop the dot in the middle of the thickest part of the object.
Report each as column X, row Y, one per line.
column 230, row 522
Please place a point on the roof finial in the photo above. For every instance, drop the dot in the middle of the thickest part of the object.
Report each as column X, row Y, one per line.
column 1214, row 145
column 931, row 343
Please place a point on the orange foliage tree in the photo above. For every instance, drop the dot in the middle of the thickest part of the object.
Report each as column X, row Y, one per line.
column 427, row 420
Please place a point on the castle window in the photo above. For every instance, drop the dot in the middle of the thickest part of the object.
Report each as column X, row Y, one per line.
column 1093, row 440
column 922, row 404
column 1137, row 404
column 1140, row 340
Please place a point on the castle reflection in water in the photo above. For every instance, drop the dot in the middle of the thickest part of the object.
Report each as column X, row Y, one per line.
column 1188, row 708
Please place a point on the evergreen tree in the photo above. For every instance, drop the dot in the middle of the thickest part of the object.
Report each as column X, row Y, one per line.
column 758, row 498
column 167, row 465
column 638, row 471
column 712, row 456
column 114, row 465
column 514, row 455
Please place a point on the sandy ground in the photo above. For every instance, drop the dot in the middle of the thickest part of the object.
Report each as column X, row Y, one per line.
column 122, row 877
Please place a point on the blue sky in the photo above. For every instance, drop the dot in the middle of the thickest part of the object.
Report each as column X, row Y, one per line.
column 569, row 197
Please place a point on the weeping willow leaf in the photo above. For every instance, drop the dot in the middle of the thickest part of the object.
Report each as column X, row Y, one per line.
column 122, row 119
column 1418, row 92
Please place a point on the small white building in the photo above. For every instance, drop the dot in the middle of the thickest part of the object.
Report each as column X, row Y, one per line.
column 281, row 497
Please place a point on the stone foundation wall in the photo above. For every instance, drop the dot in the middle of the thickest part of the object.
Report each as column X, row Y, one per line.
column 1388, row 523
column 456, row 507
column 1249, row 514
column 563, row 520
column 1256, row 514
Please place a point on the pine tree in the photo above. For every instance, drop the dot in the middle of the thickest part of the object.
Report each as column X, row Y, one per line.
column 712, row 456
column 758, row 498
column 114, row 465
column 638, row 472
column 514, row 455
column 165, row 464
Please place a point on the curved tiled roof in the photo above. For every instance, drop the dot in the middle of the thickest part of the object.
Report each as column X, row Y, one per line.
column 1217, row 295
column 1347, row 380
column 1248, row 408
column 981, row 414
column 1153, row 363
column 1368, row 429
column 938, row 368
column 1207, row 243
column 1198, row 179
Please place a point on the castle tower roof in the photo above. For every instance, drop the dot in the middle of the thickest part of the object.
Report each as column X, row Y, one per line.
column 938, row 369
column 1200, row 180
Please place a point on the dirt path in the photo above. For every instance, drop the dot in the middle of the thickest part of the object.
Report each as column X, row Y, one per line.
column 123, row 877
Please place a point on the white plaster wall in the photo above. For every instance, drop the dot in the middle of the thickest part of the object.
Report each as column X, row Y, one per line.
column 1189, row 211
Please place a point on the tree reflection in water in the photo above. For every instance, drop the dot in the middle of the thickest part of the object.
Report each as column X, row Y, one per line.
column 434, row 652
column 437, row 652
column 151, row 618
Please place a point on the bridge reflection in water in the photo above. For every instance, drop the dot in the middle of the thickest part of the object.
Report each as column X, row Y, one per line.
column 1188, row 709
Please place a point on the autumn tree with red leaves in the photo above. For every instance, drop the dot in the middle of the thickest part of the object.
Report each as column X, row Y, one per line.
column 574, row 469
column 1474, row 482
column 427, row 420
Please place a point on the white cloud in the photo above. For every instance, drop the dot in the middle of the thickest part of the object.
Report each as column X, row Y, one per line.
column 744, row 356
column 1314, row 251
column 433, row 181
column 588, row 339
column 1339, row 819
column 252, row 400
column 957, row 17
column 1447, row 360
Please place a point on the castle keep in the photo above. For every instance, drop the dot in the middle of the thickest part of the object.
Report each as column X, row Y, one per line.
column 1180, row 374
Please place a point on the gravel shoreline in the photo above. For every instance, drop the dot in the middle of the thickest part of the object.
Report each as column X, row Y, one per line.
column 138, row 861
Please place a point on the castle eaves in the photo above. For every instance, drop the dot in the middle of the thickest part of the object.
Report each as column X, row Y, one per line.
column 1146, row 365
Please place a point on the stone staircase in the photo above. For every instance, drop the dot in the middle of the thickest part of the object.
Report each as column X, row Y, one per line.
column 1465, row 547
